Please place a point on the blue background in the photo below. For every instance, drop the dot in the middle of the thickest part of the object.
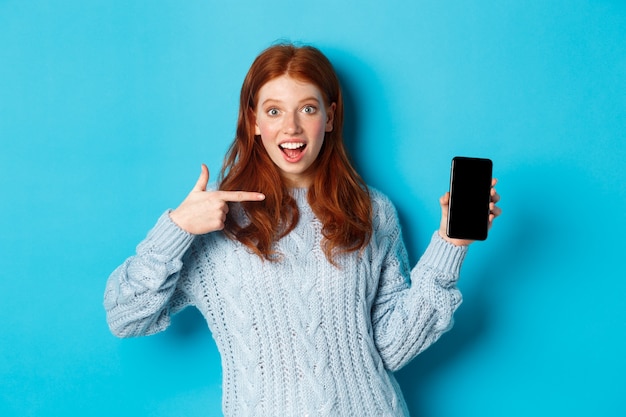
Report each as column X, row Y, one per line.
column 108, row 108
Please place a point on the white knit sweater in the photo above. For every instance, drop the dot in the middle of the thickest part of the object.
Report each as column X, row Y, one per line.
column 299, row 337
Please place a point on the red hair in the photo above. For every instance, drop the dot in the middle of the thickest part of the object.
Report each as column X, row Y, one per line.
column 338, row 195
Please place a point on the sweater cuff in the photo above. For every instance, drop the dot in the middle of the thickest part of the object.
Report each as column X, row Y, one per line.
column 166, row 239
column 444, row 256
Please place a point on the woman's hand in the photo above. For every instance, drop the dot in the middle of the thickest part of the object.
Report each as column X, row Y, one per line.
column 444, row 201
column 205, row 211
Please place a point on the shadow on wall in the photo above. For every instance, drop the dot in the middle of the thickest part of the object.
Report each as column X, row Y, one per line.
column 363, row 95
column 535, row 238
column 473, row 319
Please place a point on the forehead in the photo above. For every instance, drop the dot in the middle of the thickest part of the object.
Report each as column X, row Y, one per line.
column 286, row 88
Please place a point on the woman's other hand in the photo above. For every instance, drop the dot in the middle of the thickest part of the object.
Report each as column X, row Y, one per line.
column 494, row 211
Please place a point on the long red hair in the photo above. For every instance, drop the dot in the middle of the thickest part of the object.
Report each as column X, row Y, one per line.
column 338, row 196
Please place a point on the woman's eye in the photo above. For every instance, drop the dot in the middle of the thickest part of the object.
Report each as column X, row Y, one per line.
column 272, row 112
column 309, row 109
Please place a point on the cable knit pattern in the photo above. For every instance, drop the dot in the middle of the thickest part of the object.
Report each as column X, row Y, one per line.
column 298, row 337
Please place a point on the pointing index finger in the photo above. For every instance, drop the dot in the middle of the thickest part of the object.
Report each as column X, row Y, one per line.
column 240, row 196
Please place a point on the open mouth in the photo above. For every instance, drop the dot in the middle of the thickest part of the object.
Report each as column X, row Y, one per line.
column 292, row 149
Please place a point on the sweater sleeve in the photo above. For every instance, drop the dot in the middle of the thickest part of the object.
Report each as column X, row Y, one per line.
column 141, row 293
column 413, row 308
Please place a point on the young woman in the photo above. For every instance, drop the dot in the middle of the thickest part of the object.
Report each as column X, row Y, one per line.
column 298, row 267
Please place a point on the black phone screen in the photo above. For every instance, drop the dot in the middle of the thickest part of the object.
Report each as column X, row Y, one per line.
column 470, row 195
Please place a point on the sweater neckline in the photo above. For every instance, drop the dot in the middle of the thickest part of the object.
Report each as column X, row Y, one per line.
column 299, row 194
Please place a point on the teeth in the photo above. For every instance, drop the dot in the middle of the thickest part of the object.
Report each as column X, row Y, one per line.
column 291, row 145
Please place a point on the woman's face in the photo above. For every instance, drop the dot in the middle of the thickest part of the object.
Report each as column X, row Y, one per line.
column 291, row 119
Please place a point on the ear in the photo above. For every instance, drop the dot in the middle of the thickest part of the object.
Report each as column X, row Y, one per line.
column 330, row 117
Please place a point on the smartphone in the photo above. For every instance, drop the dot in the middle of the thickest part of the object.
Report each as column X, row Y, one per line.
column 470, row 195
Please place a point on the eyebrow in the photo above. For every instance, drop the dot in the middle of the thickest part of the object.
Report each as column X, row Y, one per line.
column 269, row 100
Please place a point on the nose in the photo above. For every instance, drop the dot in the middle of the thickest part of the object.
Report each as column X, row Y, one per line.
column 291, row 124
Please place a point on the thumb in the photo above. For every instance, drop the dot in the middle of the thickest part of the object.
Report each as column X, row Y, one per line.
column 203, row 179
column 444, row 201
